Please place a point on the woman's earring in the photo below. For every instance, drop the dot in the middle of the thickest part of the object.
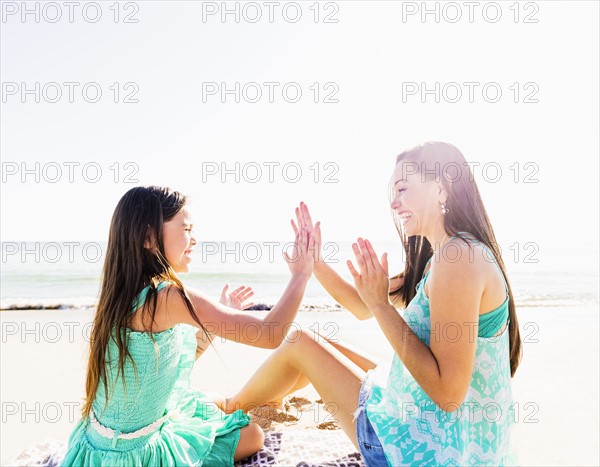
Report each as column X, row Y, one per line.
column 444, row 209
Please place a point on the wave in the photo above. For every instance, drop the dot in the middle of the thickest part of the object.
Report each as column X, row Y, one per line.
column 315, row 304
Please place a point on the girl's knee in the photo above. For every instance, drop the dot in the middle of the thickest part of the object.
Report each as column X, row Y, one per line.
column 256, row 436
column 251, row 440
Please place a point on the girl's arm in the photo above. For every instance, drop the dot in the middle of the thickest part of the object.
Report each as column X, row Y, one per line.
column 229, row 323
column 265, row 332
column 237, row 299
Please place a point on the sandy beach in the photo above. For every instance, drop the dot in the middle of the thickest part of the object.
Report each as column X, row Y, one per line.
column 555, row 389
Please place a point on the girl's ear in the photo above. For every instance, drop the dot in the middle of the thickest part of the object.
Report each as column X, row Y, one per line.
column 150, row 241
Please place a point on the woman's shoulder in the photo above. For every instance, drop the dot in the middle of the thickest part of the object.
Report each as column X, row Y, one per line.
column 465, row 256
column 466, row 247
column 468, row 261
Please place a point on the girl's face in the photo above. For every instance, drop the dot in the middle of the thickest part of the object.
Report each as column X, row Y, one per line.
column 179, row 241
column 416, row 199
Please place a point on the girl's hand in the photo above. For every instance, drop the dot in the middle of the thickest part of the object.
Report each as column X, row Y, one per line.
column 305, row 222
column 302, row 260
column 238, row 298
column 372, row 282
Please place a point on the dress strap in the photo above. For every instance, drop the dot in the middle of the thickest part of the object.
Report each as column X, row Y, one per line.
column 140, row 299
column 463, row 232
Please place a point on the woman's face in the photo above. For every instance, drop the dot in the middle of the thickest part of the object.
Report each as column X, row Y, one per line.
column 179, row 241
column 416, row 199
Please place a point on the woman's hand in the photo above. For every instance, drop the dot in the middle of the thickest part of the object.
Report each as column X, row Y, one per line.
column 372, row 282
column 396, row 282
column 238, row 298
column 305, row 222
column 302, row 260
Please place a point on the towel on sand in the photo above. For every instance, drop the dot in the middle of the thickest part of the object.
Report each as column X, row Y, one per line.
column 307, row 448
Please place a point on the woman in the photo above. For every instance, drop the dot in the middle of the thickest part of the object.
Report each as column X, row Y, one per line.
column 446, row 399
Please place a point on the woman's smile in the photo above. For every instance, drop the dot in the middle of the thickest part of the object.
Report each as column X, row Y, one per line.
column 405, row 216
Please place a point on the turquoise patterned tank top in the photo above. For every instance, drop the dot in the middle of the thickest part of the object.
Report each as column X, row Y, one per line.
column 413, row 430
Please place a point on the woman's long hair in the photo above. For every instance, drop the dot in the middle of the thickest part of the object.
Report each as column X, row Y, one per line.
column 444, row 162
column 128, row 268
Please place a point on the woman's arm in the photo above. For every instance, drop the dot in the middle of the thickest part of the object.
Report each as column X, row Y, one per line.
column 344, row 293
column 341, row 290
column 444, row 368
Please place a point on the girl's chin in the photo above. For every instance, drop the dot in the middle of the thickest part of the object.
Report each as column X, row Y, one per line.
column 182, row 268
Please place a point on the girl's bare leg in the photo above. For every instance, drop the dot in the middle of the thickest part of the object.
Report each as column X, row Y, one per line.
column 335, row 377
column 251, row 440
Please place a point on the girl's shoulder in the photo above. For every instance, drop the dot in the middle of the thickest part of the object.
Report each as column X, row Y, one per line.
column 142, row 321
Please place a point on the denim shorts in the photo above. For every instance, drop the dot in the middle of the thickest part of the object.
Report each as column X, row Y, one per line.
column 368, row 442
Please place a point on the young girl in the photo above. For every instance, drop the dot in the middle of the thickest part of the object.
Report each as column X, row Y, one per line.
column 139, row 407
column 446, row 398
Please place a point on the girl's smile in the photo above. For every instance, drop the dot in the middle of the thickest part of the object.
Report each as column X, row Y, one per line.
column 179, row 240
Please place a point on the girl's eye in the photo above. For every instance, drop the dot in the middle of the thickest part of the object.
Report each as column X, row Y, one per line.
column 401, row 190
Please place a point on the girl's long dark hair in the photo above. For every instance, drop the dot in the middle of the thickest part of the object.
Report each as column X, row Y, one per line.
column 442, row 161
column 128, row 268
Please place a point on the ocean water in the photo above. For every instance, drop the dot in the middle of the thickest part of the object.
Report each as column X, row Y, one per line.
column 67, row 274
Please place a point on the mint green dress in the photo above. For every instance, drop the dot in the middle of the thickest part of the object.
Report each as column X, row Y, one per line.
column 413, row 430
column 199, row 434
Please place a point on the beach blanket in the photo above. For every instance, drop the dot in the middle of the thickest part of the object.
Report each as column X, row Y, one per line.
column 307, row 448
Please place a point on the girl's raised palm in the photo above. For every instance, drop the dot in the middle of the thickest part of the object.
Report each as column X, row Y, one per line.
column 305, row 222
column 302, row 259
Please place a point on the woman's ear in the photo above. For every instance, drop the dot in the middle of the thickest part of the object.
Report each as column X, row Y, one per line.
column 443, row 194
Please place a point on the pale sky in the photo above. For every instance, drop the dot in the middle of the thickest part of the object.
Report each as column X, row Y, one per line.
column 368, row 56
